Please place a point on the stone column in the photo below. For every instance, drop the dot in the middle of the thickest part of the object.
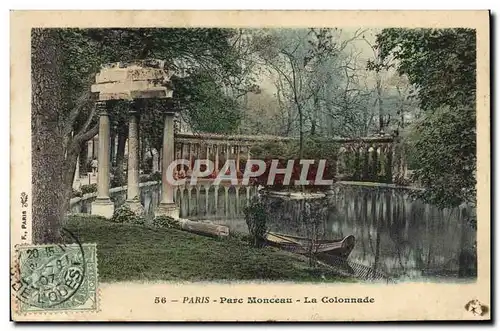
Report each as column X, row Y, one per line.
column 216, row 159
column 375, row 163
column 198, row 188
column 396, row 159
column 248, row 195
column 90, row 150
column 403, row 165
column 160, row 162
column 95, row 147
column 237, row 151
column 167, row 206
column 226, row 200
column 155, row 159
column 365, row 159
column 207, row 192
column 112, row 141
column 133, row 193
column 237, row 198
column 192, row 148
column 248, row 155
column 216, row 199
column 103, row 206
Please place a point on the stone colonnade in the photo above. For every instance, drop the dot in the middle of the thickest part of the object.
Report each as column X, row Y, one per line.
column 216, row 149
column 378, row 160
column 370, row 159
column 103, row 206
column 134, row 82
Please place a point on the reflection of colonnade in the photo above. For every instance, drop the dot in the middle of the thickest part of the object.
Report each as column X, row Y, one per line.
column 206, row 199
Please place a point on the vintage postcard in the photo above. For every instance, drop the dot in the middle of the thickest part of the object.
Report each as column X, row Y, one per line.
column 250, row 166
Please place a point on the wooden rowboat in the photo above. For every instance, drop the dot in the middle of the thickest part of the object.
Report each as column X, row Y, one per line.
column 302, row 245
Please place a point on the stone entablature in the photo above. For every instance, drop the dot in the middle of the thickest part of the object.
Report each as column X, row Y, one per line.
column 212, row 138
column 133, row 80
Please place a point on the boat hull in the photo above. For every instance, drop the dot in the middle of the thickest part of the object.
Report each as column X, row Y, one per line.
column 306, row 246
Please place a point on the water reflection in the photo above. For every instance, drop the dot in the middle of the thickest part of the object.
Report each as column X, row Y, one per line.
column 395, row 235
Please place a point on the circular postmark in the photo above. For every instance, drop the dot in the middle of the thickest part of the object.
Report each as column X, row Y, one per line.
column 49, row 275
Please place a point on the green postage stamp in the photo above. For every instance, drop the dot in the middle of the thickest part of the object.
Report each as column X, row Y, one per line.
column 55, row 278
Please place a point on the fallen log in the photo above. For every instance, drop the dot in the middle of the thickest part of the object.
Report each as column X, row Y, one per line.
column 204, row 228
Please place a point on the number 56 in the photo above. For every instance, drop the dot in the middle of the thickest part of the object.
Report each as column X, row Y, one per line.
column 160, row 300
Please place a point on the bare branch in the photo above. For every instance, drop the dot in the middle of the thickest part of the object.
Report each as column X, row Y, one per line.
column 356, row 35
column 89, row 119
column 82, row 137
column 80, row 104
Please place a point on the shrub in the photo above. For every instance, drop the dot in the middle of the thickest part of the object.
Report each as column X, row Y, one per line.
column 289, row 150
column 313, row 215
column 116, row 182
column 88, row 166
column 76, row 194
column 401, row 181
column 123, row 214
column 155, row 176
column 256, row 217
column 117, row 178
column 144, row 178
column 242, row 237
column 138, row 220
column 88, row 188
column 166, row 222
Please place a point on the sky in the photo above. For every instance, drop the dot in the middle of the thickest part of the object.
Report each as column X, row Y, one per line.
column 358, row 46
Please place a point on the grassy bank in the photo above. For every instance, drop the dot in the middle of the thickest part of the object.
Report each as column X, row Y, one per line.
column 135, row 253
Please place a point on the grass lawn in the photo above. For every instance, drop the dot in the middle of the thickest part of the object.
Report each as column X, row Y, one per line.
column 136, row 253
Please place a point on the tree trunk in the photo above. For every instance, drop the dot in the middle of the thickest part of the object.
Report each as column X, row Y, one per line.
column 83, row 157
column 301, row 133
column 48, row 150
column 68, row 176
column 379, row 103
column 314, row 116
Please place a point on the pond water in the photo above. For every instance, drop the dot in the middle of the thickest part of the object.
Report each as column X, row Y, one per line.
column 397, row 236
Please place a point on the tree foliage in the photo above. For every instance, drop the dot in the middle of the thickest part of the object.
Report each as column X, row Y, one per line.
column 307, row 64
column 441, row 64
column 67, row 113
column 205, row 106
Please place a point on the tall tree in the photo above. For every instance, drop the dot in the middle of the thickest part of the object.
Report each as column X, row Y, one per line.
column 55, row 147
column 204, row 104
column 441, row 63
column 304, row 62
column 379, row 64
column 64, row 64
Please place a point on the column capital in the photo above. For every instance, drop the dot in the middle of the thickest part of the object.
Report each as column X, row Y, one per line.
column 102, row 109
column 135, row 106
column 169, row 109
column 133, row 112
